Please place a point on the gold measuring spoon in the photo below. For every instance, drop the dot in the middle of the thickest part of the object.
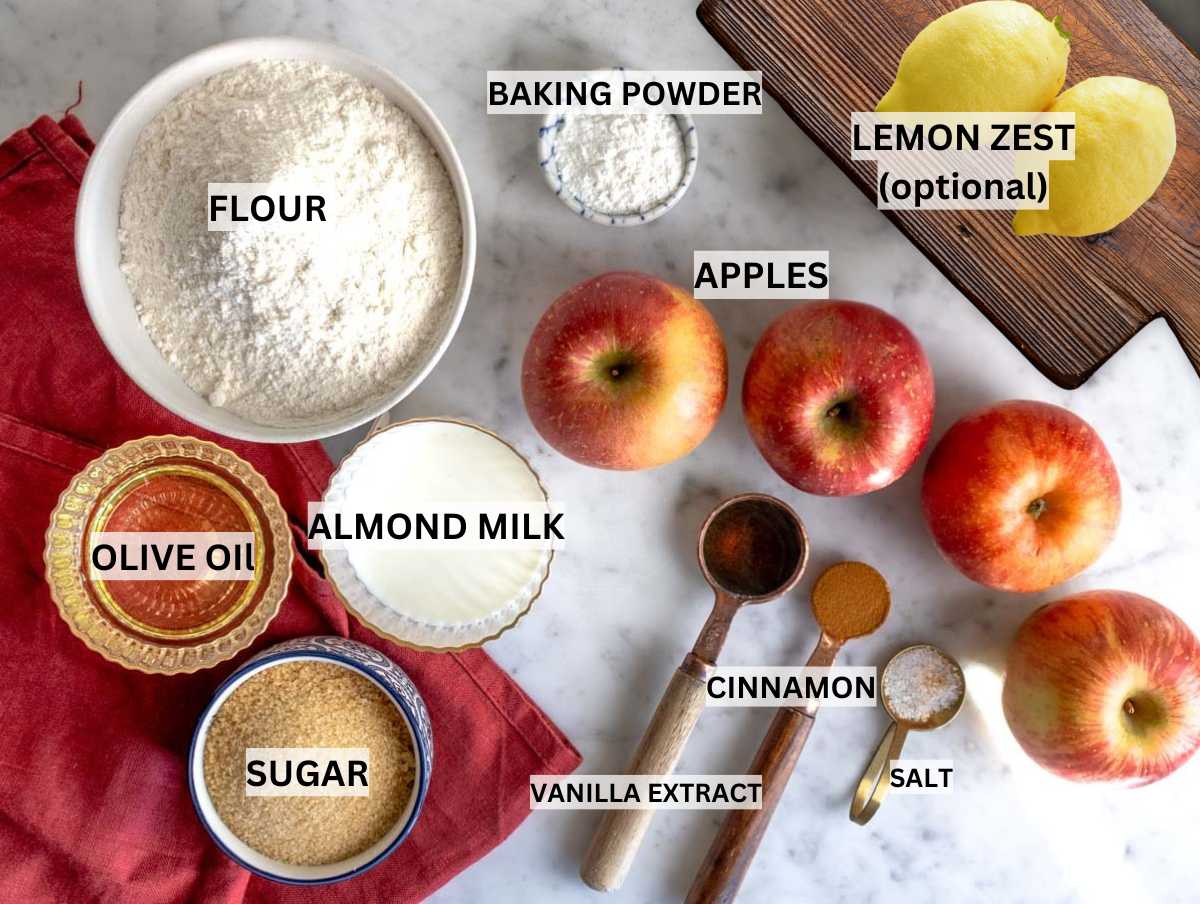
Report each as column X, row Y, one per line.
column 922, row 688
column 849, row 600
column 752, row 549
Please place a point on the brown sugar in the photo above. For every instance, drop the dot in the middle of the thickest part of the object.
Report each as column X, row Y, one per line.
column 850, row 599
column 309, row 704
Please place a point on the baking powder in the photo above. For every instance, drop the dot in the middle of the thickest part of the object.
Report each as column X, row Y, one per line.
column 294, row 326
column 620, row 164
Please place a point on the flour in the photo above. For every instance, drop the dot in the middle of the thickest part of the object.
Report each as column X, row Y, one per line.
column 620, row 164
column 291, row 327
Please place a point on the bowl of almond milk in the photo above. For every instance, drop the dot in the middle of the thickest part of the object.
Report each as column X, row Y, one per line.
column 448, row 596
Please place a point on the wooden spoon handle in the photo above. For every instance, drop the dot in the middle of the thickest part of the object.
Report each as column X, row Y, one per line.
column 729, row 857
column 620, row 832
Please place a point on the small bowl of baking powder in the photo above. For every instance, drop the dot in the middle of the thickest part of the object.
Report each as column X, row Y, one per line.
column 618, row 170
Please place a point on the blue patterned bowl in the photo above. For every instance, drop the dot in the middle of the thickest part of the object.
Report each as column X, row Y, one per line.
column 548, row 136
column 393, row 681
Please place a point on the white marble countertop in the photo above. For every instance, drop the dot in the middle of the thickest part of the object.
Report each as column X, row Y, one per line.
column 626, row 599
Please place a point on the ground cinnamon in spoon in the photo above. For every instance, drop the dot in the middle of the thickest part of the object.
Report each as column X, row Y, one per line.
column 850, row 599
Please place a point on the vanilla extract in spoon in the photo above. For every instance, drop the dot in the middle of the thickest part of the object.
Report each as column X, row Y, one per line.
column 752, row 549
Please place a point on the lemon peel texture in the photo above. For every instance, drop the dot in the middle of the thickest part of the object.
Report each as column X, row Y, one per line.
column 993, row 56
column 1124, row 144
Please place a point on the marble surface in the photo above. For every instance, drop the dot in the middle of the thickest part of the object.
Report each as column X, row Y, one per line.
column 626, row 599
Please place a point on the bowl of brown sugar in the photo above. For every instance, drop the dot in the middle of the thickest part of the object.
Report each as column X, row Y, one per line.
column 312, row 760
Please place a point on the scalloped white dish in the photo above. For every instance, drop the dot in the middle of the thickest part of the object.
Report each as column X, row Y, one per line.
column 440, row 598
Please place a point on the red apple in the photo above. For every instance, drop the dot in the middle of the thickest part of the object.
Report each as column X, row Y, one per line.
column 1105, row 687
column 838, row 397
column 625, row 371
column 1021, row 496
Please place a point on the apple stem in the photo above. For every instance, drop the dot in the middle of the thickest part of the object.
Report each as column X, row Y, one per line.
column 618, row 370
column 1130, row 709
column 1036, row 508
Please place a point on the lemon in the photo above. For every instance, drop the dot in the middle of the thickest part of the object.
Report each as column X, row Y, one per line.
column 993, row 56
column 1124, row 143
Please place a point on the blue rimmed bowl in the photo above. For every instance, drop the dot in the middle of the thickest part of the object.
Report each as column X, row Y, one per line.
column 553, row 123
column 392, row 680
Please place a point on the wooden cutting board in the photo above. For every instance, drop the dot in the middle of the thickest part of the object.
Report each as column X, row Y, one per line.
column 1067, row 304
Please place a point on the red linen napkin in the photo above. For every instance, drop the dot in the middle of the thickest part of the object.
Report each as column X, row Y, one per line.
column 93, row 795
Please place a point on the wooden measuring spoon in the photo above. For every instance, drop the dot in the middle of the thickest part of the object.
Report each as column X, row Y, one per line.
column 752, row 549
column 850, row 599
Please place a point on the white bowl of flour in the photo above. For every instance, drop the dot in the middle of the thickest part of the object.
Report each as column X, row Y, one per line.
column 276, row 336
